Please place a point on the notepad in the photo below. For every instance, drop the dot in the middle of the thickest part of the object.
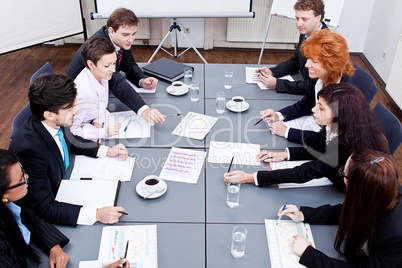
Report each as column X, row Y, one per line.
column 140, row 89
column 102, row 168
column 243, row 153
column 88, row 193
column 142, row 250
column 252, row 77
column 166, row 69
column 291, row 164
column 280, row 240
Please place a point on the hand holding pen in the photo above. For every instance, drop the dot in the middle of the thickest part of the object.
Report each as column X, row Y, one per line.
column 292, row 212
column 268, row 115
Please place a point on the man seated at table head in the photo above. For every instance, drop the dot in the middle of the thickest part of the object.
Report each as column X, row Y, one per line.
column 120, row 29
column 43, row 144
column 309, row 18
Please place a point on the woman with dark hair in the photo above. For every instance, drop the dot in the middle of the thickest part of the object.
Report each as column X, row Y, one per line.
column 328, row 62
column 349, row 125
column 19, row 227
column 369, row 232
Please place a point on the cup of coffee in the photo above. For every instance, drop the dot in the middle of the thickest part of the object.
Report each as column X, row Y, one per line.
column 237, row 102
column 177, row 86
column 151, row 183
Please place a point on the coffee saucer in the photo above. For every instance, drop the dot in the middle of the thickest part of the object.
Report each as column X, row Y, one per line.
column 230, row 105
column 172, row 90
column 143, row 193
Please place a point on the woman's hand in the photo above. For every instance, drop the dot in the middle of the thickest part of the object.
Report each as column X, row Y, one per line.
column 299, row 244
column 57, row 257
column 268, row 156
column 117, row 264
column 292, row 212
column 269, row 115
column 113, row 129
column 278, row 128
column 239, row 175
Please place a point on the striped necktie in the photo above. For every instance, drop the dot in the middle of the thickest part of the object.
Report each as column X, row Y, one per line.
column 64, row 146
column 119, row 55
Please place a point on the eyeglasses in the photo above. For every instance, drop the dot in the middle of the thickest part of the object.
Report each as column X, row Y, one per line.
column 24, row 177
column 341, row 172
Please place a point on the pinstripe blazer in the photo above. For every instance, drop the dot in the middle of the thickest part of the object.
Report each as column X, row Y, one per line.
column 43, row 234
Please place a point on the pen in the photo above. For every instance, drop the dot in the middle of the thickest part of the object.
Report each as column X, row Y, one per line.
column 261, row 73
column 284, row 206
column 127, row 126
column 171, row 115
column 258, row 121
column 125, row 253
column 231, row 162
column 122, row 212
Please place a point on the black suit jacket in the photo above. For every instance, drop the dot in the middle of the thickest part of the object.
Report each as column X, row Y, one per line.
column 43, row 234
column 118, row 84
column 385, row 249
column 326, row 160
column 42, row 161
column 291, row 66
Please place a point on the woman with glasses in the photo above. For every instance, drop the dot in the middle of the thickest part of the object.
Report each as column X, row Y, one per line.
column 349, row 125
column 19, row 227
column 369, row 232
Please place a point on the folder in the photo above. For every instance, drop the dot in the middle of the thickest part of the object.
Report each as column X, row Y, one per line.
column 166, row 69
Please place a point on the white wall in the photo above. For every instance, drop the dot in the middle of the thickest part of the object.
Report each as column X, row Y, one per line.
column 196, row 35
column 383, row 35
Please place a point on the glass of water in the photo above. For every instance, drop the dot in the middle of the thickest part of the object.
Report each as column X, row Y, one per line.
column 220, row 102
column 233, row 193
column 188, row 76
column 238, row 247
column 194, row 91
column 228, row 78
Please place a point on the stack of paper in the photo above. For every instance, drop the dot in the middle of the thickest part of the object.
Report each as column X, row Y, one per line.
column 195, row 126
column 291, row 164
column 183, row 165
column 140, row 89
column 102, row 168
column 243, row 153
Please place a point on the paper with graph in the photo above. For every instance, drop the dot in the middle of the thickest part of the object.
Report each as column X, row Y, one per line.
column 280, row 240
column 243, row 153
column 183, row 165
column 195, row 126
column 142, row 249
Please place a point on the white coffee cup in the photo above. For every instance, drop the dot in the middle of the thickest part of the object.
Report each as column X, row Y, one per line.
column 151, row 183
column 177, row 86
column 237, row 102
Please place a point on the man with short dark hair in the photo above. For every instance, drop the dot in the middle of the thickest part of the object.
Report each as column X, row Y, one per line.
column 309, row 18
column 120, row 29
column 44, row 142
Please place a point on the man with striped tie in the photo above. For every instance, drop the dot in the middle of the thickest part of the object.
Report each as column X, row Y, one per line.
column 120, row 29
column 43, row 144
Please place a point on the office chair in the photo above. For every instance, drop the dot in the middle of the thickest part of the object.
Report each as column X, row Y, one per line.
column 45, row 69
column 365, row 82
column 392, row 128
column 19, row 119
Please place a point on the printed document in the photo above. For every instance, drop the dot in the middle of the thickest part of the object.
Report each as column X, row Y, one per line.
column 252, row 77
column 132, row 125
column 140, row 89
column 244, row 153
column 195, row 126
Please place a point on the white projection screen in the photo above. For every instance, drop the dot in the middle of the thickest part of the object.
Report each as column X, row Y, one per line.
column 178, row 8
column 27, row 23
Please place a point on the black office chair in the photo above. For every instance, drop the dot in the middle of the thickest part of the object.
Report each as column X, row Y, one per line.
column 392, row 128
column 19, row 119
column 365, row 82
column 45, row 69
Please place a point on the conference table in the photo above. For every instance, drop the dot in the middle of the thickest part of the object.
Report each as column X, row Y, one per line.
column 194, row 224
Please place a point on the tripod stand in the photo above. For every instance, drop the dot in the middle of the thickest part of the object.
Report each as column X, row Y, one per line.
column 176, row 29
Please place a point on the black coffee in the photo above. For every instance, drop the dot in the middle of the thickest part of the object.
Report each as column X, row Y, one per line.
column 238, row 100
column 151, row 182
column 177, row 85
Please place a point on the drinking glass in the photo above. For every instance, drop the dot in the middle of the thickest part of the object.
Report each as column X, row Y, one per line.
column 228, row 78
column 194, row 91
column 220, row 102
column 233, row 193
column 239, row 236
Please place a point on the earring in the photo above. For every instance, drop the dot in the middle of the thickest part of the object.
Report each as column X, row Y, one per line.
column 5, row 200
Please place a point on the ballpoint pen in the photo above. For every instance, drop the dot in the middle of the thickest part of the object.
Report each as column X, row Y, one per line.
column 231, row 162
column 122, row 212
column 127, row 126
column 125, row 252
column 171, row 115
column 261, row 73
column 258, row 121
column 284, row 207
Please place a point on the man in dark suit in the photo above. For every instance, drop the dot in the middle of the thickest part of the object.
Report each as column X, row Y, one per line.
column 44, row 142
column 120, row 29
column 309, row 18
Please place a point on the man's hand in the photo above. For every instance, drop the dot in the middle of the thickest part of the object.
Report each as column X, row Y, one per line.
column 269, row 115
column 149, row 83
column 117, row 150
column 58, row 258
column 113, row 129
column 108, row 215
column 153, row 116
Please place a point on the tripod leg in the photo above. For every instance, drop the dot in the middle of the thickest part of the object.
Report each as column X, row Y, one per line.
column 159, row 47
column 265, row 39
column 195, row 49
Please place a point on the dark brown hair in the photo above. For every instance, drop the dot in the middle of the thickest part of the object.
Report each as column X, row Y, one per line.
column 95, row 48
column 315, row 5
column 372, row 191
column 122, row 17
column 331, row 50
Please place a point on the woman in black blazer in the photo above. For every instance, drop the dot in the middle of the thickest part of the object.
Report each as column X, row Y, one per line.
column 369, row 232
column 19, row 226
column 349, row 125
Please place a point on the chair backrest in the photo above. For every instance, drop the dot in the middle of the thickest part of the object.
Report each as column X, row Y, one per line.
column 365, row 82
column 45, row 69
column 392, row 128
column 19, row 119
